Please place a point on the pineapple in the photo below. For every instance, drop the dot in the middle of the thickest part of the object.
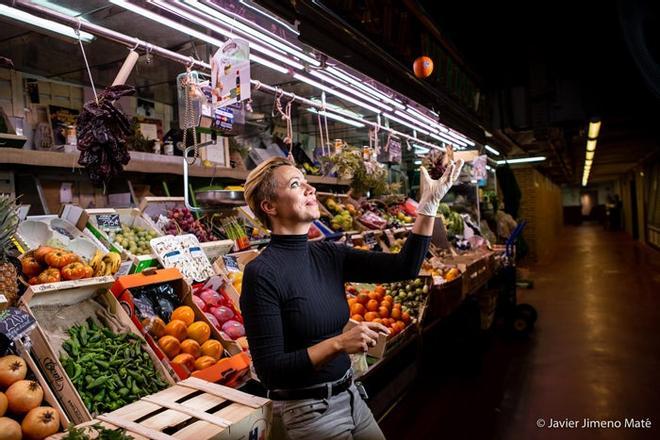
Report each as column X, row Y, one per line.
column 8, row 226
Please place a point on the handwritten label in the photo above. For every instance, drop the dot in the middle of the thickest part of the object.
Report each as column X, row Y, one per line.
column 370, row 239
column 231, row 263
column 15, row 323
column 108, row 222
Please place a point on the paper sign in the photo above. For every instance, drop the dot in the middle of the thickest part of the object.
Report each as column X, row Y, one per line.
column 230, row 73
column 108, row 222
column 231, row 263
column 66, row 193
column 15, row 323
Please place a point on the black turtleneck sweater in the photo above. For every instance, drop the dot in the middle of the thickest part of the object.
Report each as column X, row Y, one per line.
column 293, row 297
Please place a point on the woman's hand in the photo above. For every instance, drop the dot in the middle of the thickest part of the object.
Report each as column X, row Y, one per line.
column 361, row 337
column 432, row 191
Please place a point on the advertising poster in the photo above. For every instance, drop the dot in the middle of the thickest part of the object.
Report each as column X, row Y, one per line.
column 230, row 73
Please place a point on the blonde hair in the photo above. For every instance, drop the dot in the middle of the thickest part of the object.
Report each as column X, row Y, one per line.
column 260, row 185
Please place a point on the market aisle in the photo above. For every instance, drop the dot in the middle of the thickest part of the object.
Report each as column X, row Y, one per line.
column 594, row 354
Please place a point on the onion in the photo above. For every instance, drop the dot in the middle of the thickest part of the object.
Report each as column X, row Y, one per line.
column 233, row 329
column 12, row 369
column 211, row 297
column 199, row 302
column 40, row 422
column 24, row 395
column 223, row 313
column 9, row 429
column 212, row 319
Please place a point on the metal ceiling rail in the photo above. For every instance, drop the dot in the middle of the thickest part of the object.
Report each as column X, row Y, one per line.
column 136, row 43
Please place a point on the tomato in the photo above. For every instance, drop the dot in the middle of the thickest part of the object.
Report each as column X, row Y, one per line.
column 59, row 258
column 41, row 252
column 30, row 266
column 76, row 271
column 51, row 275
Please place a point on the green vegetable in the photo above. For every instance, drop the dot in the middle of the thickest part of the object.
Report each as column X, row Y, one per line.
column 109, row 370
column 96, row 431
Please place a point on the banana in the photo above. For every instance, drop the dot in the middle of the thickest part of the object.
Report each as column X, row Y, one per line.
column 108, row 269
column 99, row 269
column 112, row 262
column 96, row 258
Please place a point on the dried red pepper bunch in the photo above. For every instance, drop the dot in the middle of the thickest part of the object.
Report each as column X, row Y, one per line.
column 102, row 131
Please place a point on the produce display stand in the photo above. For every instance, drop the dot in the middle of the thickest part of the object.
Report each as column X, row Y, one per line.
column 192, row 409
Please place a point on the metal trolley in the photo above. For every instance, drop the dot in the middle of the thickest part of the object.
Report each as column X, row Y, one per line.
column 518, row 318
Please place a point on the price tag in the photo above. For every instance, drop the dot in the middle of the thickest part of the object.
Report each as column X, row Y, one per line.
column 108, row 222
column 389, row 235
column 231, row 263
column 15, row 323
column 370, row 239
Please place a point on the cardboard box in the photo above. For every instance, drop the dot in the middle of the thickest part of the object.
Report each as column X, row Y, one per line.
column 194, row 409
column 122, row 290
column 45, row 351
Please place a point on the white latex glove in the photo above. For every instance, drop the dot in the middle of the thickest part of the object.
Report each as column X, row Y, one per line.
column 433, row 191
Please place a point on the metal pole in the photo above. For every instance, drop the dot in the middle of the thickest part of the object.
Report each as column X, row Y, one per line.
column 136, row 43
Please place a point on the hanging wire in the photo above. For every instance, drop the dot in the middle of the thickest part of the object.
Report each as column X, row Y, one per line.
column 89, row 71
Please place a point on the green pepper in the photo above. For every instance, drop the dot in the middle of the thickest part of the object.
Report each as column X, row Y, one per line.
column 102, row 364
column 77, row 372
column 98, row 382
column 135, row 389
column 123, row 391
column 100, row 395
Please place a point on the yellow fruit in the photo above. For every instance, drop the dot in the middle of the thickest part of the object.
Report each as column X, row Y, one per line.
column 199, row 331
column 212, row 348
column 185, row 314
column 190, row 346
column 176, row 328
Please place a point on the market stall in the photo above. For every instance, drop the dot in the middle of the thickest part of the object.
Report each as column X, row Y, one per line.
column 143, row 273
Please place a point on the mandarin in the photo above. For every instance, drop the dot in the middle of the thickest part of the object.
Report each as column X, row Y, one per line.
column 384, row 312
column 358, row 318
column 372, row 305
column 370, row 316
column 358, row 309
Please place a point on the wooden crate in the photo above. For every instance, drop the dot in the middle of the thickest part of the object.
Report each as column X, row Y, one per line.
column 196, row 410
column 443, row 300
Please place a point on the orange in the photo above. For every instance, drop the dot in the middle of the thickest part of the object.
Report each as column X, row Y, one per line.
column 212, row 348
column 199, row 331
column 190, row 346
column 387, row 304
column 405, row 317
column 396, row 305
column 378, row 320
column 388, row 298
column 380, row 289
column 170, row 346
column 372, row 305
column 384, row 312
column 396, row 313
column 358, row 318
column 399, row 325
column 204, row 362
column 370, row 316
column 362, row 298
column 358, row 309
column 185, row 314
column 176, row 328
column 351, row 301
column 423, row 67
column 185, row 359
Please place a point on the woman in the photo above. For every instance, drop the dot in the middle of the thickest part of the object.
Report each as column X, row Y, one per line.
column 294, row 304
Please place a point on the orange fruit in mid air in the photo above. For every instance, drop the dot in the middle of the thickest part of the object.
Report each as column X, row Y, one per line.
column 370, row 316
column 372, row 305
column 423, row 67
column 358, row 318
column 358, row 309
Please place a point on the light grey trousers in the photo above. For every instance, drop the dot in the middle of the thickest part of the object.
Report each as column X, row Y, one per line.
column 343, row 417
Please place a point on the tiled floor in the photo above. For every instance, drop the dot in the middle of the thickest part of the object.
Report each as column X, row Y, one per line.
column 595, row 353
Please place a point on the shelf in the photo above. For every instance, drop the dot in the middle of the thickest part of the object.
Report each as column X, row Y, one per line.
column 140, row 163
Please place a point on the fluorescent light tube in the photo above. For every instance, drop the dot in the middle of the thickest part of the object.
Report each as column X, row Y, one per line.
column 234, row 23
column 334, row 92
column 335, row 117
column 359, row 83
column 57, row 8
column 418, row 162
column 594, row 129
column 47, row 25
column 591, row 145
column 407, row 124
column 590, row 155
column 199, row 35
column 417, row 121
column 349, row 89
column 522, row 160
column 492, row 150
column 272, row 17
column 420, row 149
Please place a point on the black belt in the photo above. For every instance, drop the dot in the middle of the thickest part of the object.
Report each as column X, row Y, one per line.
column 319, row 392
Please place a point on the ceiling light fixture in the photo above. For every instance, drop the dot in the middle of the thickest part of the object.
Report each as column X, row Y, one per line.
column 492, row 150
column 271, row 17
column 336, row 93
column 594, row 128
column 591, row 145
column 351, row 90
column 335, row 117
column 42, row 23
column 522, row 160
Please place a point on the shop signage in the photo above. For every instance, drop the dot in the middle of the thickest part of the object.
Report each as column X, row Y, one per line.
column 230, row 73
column 108, row 222
column 15, row 323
